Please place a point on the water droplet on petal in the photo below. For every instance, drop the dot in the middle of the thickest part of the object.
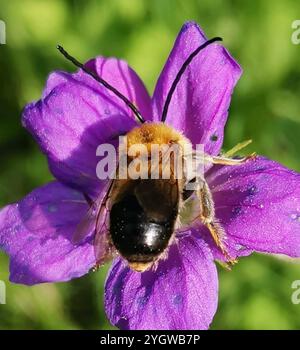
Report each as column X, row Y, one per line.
column 178, row 299
column 214, row 138
column 236, row 211
column 142, row 301
column 16, row 229
column 76, row 194
column 52, row 208
column 239, row 247
column 295, row 216
column 252, row 190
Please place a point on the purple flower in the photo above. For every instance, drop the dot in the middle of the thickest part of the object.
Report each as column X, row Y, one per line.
column 257, row 203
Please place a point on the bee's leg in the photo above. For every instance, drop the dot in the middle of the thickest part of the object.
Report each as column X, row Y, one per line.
column 96, row 267
column 207, row 216
column 229, row 161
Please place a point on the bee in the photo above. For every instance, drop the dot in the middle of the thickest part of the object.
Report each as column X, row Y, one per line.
column 137, row 217
column 145, row 211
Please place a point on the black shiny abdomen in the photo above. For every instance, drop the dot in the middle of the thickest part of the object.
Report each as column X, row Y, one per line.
column 137, row 237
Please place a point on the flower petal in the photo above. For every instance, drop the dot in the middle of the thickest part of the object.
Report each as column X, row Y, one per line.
column 199, row 106
column 37, row 235
column 76, row 114
column 125, row 80
column 258, row 204
column 181, row 293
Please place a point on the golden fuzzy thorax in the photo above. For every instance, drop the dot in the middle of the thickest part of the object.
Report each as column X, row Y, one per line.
column 140, row 143
column 154, row 133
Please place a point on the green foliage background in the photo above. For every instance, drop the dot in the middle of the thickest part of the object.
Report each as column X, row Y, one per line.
column 265, row 107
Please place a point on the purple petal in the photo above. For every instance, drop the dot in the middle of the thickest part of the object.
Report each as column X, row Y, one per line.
column 199, row 106
column 181, row 293
column 125, row 80
column 258, row 204
column 76, row 114
column 37, row 235
column 233, row 247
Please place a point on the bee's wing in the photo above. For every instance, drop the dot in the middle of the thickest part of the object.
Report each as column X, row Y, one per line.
column 96, row 220
column 88, row 223
column 103, row 247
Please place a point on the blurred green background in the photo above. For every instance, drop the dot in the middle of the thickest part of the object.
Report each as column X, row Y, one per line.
column 265, row 107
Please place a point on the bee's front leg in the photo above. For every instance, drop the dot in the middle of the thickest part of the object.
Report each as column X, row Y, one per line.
column 226, row 158
column 228, row 161
column 207, row 217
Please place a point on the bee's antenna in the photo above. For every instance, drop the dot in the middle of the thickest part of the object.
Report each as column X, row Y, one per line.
column 180, row 73
column 101, row 81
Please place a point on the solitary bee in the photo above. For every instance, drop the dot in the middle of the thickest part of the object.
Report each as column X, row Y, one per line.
column 138, row 217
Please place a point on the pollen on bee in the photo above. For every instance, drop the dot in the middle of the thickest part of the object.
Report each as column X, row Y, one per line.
column 139, row 266
column 159, row 148
column 154, row 133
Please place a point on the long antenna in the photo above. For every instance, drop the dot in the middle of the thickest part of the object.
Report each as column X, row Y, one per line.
column 180, row 73
column 101, row 81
